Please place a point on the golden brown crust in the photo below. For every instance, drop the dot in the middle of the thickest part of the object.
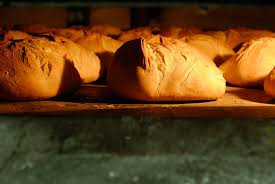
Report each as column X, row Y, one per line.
column 252, row 63
column 35, row 69
column 163, row 69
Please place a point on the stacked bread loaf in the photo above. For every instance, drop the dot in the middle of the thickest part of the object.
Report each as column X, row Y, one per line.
column 153, row 63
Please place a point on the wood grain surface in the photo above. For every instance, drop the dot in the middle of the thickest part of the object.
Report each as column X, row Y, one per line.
column 97, row 100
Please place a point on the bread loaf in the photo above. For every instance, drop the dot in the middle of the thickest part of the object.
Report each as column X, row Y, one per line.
column 252, row 63
column 85, row 61
column 212, row 48
column 163, row 69
column 103, row 46
column 35, row 69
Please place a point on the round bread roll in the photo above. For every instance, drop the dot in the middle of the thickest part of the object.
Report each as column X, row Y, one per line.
column 163, row 69
column 179, row 32
column 252, row 63
column 140, row 32
column 211, row 47
column 103, row 46
column 269, row 83
column 35, row 69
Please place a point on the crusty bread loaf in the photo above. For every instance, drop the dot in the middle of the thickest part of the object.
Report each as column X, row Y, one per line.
column 163, row 69
column 252, row 63
column 140, row 32
column 86, row 62
column 269, row 83
column 178, row 32
column 103, row 46
column 35, row 69
column 216, row 50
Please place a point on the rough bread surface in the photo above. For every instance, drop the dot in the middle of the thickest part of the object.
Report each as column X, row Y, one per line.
column 35, row 69
column 252, row 63
column 164, row 69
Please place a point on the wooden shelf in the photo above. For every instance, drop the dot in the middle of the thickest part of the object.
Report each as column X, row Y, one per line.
column 96, row 100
